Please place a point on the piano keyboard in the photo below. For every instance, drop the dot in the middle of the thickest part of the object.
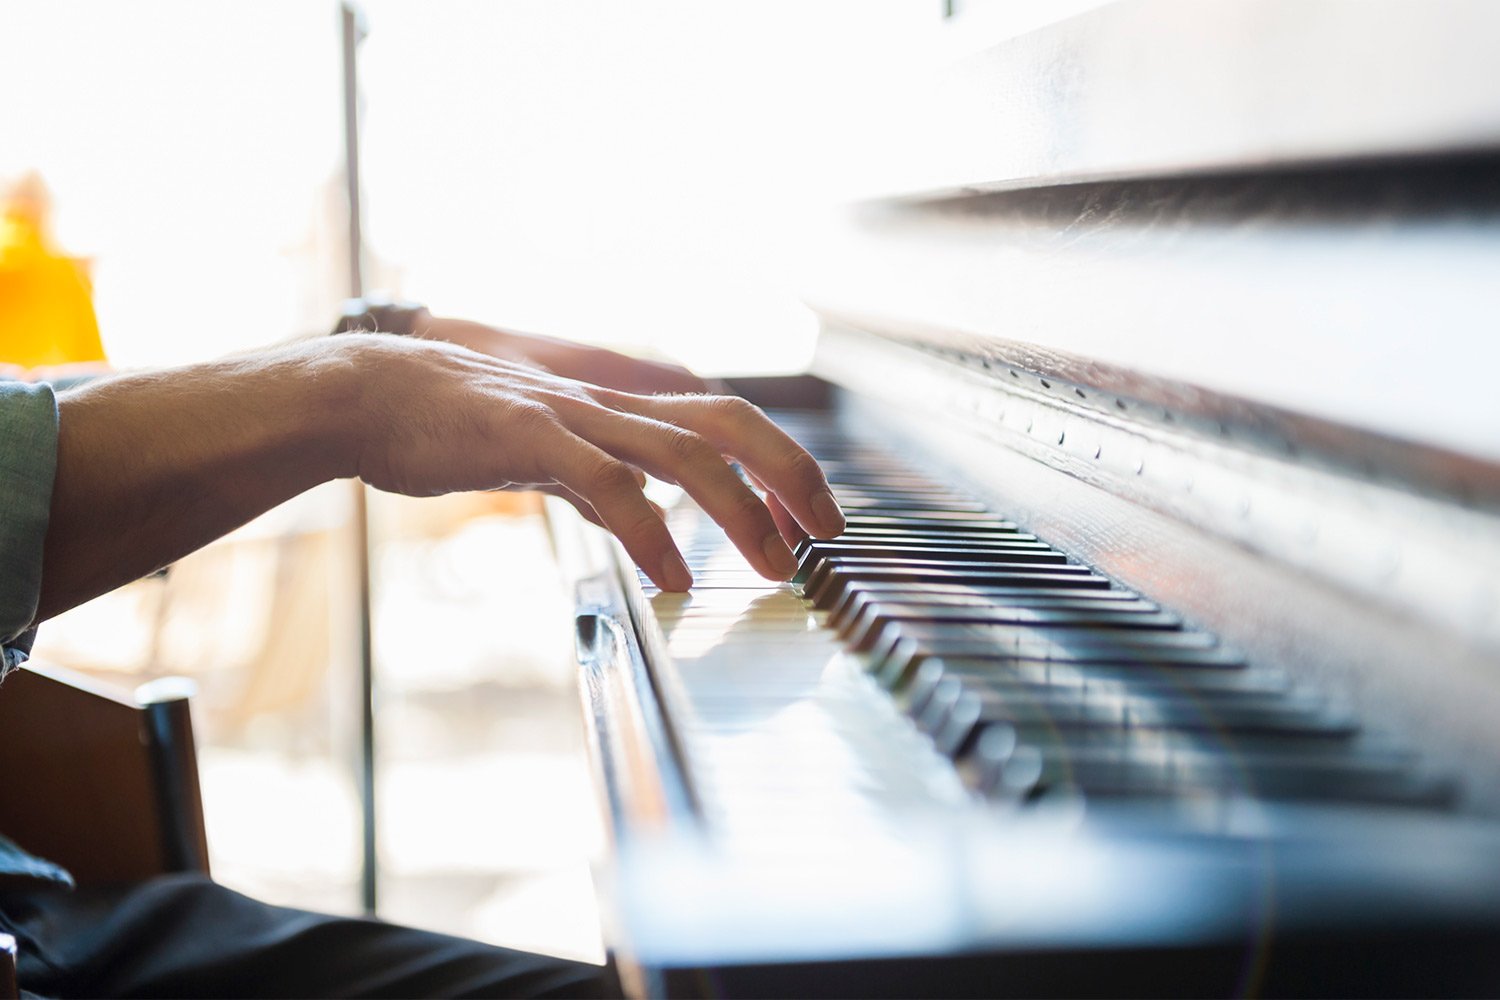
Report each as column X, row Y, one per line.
column 937, row 653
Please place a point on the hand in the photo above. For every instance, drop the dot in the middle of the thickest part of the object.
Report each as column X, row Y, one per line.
column 595, row 365
column 153, row 465
column 436, row 418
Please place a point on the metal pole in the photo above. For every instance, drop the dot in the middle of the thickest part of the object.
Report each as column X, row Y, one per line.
column 352, row 25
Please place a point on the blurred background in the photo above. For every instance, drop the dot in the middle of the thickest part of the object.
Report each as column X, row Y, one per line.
column 633, row 174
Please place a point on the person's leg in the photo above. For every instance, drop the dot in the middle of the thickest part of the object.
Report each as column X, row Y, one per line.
column 184, row 935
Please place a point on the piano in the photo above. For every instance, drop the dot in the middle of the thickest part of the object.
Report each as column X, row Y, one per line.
column 1157, row 379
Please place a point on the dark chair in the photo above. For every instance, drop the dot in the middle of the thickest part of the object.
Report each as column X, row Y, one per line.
column 103, row 782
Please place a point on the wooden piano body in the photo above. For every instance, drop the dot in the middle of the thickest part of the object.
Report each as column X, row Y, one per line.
column 1205, row 297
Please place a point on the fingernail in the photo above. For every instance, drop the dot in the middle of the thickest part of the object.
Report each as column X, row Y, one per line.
column 674, row 573
column 783, row 563
column 826, row 509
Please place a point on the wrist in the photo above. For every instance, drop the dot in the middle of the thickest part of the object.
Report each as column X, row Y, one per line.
column 337, row 400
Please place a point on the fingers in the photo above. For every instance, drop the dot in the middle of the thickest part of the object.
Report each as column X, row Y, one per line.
column 681, row 456
column 736, row 427
column 785, row 523
column 788, row 526
column 613, row 490
column 592, row 444
column 586, row 509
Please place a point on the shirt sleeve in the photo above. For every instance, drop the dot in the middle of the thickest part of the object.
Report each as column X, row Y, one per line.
column 28, row 463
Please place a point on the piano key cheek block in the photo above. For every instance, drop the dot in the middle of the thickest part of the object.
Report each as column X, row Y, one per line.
column 1161, row 655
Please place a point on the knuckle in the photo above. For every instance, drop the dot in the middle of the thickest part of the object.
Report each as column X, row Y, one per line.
column 527, row 416
column 736, row 409
column 642, row 529
column 803, row 467
column 747, row 505
column 611, row 476
column 689, row 448
column 575, row 394
column 604, row 396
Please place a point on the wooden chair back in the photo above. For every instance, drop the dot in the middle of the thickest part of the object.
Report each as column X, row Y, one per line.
column 100, row 781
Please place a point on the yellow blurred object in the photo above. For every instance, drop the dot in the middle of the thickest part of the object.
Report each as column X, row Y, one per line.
column 46, row 298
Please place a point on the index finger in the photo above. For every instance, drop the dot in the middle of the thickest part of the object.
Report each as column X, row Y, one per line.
column 739, row 428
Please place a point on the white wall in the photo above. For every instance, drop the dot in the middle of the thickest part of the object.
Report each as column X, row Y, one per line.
column 185, row 144
column 636, row 173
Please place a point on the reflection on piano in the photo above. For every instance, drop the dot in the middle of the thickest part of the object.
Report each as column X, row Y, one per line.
column 1161, row 654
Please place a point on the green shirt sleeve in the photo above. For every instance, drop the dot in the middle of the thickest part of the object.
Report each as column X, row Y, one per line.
column 28, row 463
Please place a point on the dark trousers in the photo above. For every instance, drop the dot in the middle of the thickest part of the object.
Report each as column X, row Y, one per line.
column 185, row 936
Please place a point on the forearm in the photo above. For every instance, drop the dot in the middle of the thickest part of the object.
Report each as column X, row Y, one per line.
column 152, row 466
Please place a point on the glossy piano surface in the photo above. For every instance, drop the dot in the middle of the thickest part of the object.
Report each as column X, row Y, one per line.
column 1124, row 784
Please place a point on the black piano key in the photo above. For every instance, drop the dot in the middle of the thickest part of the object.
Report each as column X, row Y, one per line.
column 936, row 550
column 1005, row 768
column 1222, row 755
column 1008, row 772
column 890, row 484
column 1107, row 643
column 914, row 546
column 894, row 485
column 865, row 630
column 826, row 593
column 1271, row 762
column 1105, row 678
column 1187, row 753
column 1328, row 755
column 930, row 521
column 868, row 469
column 857, row 595
column 941, row 536
column 1100, row 645
column 853, row 615
column 897, row 661
column 963, row 561
column 950, row 701
column 1407, row 788
column 851, row 544
column 894, row 491
column 897, row 505
column 923, row 697
column 835, row 556
column 956, row 711
column 1342, row 781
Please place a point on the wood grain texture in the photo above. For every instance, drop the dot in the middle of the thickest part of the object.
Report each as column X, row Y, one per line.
column 79, row 780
